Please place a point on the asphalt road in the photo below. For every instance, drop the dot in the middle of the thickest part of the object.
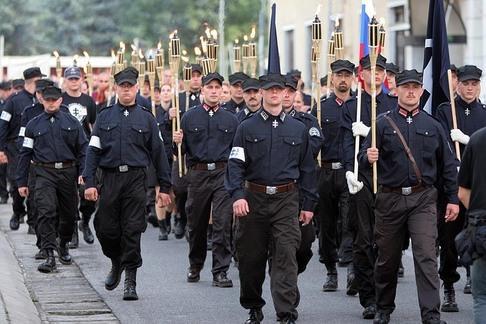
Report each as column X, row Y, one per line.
column 166, row 297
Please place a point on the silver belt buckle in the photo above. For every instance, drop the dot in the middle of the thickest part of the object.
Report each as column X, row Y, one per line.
column 211, row 166
column 336, row 165
column 58, row 165
column 270, row 190
column 406, row 191
column 123, row 168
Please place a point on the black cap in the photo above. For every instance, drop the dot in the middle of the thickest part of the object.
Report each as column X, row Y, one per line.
column 251, row 84
column 51, row 92
column 17, row 83
column 290, row 81
column 5, row 85
column 43, row 83
column 211, row 77
column 295, row 73
column 393, row 68
column 237, row 77
column 196, row 68
column 72, row 72
column 469, row 72
column 33, row 72
column 324, row 81
column 342, row 65
column 409, row 76
column 129, row 75
column 366, row 64
column 272, row 80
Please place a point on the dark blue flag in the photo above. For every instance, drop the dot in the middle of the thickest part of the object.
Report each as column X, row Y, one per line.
column 273, row 56
column 436, row 59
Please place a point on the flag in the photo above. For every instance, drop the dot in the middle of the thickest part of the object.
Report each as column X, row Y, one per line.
column 436, row 59
column 367, row 13
column 273, row 56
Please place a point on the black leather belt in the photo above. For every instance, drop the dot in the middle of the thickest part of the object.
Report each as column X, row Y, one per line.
column 56, row 165
column 209, row 166
column 270, row 190
column 331, row 165
column 405, row 191
column 122, row 169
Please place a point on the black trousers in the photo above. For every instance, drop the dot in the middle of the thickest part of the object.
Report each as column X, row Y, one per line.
column 56, row 200
column 179, row 185
column 206, row 190
column 17, row 201
column 447, row 234
column 120, row 219
column 362, row 222
column 333, row 218
column 272, row 223
column 395, row 213
column 3, row 181
column 304, row 252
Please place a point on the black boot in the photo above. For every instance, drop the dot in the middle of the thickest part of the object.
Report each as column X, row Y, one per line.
column 87, row 234
column 351, row 282
column 163, row 236
column 75, row 239
column 381, row 318
column 210, row 237
column 130, row 293
column 449, row 304
column 168, row 222
column 50, row 264
column 467, row 286
column 113, row 278
column 331, row 283
column 178, row 228
column 63, row 252
column 41, row 255
column 152, row 216
column 256, row 316
column 14, row 222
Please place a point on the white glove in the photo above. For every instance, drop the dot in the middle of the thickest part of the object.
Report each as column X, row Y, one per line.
column 353, row 184
column 458, row 136
column 360, row 129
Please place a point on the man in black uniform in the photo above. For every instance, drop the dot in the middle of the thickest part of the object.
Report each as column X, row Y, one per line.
column 124, row 140
column 253, row 99
column 270, row 162
column 412, row 152
column 206, row 135
column 391, row 74
column 471, row 116
column 361, row 212
column 237, row 102
column 82, row 107
column 194, row 90
column 5, row 92
column 334, row 235
column 56, row 144
column 18, row 85
column 9, row 131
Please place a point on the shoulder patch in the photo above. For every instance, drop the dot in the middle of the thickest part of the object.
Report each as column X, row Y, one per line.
column 314, row 132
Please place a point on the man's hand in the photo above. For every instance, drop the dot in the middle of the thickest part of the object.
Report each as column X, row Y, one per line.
column 360, row 129
column 177, row 136
column 163, row 199
column 91, row 194
column 172, row 113
column 372, row 154
column 354, row 186
column 23, row 191
column 458, row 136
column 306, row 216
column 80, row 180
column 240, row 208
column 3, row 158
column 452, row 211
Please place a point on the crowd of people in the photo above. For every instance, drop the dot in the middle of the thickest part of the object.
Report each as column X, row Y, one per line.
column 254, row 172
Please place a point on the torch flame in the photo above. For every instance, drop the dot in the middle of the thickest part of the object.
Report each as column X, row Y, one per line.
column 336, row 23
column 382, row 22
column 245, row 38
column 185, row 59
column 318, row 10
column 159, row 46
column 140, row 53
column 197, row 51
column 184, row 52
column 237, row 41
column 113, row 56
column 214, row 33
column 56, row 54
column 253, row 32
column 134, row 48
column 122, row 46
column 86, row 54
column 208, row 33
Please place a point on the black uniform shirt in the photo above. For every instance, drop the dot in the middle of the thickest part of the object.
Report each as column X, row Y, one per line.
column 384, row 103
column 165, row 128
column 429, row 146
column 194, row 100
column 233, row 107
column 51, row 138
column 312, row 127
column 126, row 135
column 208, row 134
column 83, row 108
column 244, row 114
column 271, row 151
column 10, row 117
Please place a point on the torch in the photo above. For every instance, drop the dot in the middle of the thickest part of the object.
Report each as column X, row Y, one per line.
column 187, row 80
column 134, row 56
column 89, row 74
column 58, row 68
column 120, row 58
column 374, row 43
column 112, row 77
column 141, row 68
column 151, row 77
column 315, row 60
column 236, row 56
column 382, row 35
column 246, row 54
column 175, row 57
column 197, row 53
column 338, row 41
column 159, row 63
column 215, row 50
column 252, row 53
column 331, row 56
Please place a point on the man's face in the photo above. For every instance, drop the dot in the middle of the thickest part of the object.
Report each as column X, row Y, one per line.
column 103, row 81
column 299, row 102
column 253, row 98
column 273, row 96
column 4, row 94
column 38, row 96
column 390, row 77
column 212, row 92
column 236, row 91
column 196, row 81
column 146, row 89
column 379, row 76
column 409, row 95
column 469, row 90
column 455, row 81
column 127, row 93
column 73, row 84
column 52, row 105
column 342, row 81
column 168, row 76
column 288, row 98
column 225, row 94
column 166, row 93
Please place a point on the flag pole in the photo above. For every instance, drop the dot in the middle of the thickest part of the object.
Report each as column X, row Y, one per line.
column 373, row 47
column 453, row 111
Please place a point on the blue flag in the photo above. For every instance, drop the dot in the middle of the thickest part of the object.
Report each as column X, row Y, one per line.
column 273, row 56
column 436, row 59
